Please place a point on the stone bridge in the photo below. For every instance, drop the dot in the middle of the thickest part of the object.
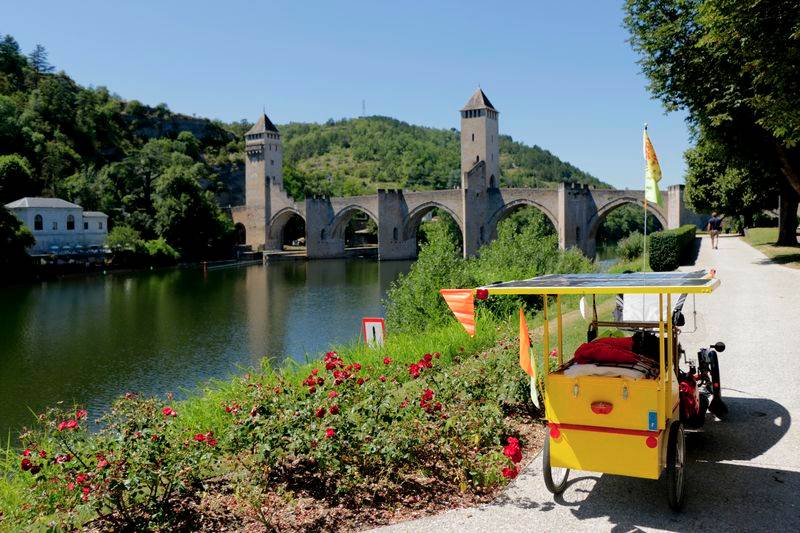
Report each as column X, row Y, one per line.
column 575, row 211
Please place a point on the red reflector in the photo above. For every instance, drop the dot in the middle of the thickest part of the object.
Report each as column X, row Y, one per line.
column 554, row 432
column 651, row 442
column 482, row 294
column 716, row 385
column 602, row 408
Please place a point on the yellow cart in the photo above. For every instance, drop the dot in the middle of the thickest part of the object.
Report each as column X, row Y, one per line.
column 623, row 424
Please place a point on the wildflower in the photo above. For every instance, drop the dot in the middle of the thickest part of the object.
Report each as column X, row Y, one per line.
column 360, row 381
column 437, row 406
column 404, row 403
column 312, row 389
column 26, row 453
column 81, row 413
column 68, row 424
column 333, row 394
column 334, row 409
column 80, row 478
column 425, row 363
column 427, row 357
column 382, row 378
column 427, row 395
column 315, row 372
column 61, row 458
column 320, row 412
column 414, row 370
column 228, row 409
column 168, row 411
column 200, row 437
column 387, row 360
column 35, row 469
column 42, row 454
column 86, row 491
column 212, row 442
column 101, row 463
column 320, row 381
column 510, row 472
column 356, row 366
column 71, row 485
column 26, row 464
column 329, row 433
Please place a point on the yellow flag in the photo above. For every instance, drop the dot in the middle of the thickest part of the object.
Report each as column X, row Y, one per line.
column 652, row 173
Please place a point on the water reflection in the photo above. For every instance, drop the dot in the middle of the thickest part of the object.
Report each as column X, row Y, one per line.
column 91, row 339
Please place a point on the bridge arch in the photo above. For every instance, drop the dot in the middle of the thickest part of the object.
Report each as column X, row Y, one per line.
column 604, row 210
column 343, row 217
column 507, row 209
column 241, row 233
column 414, row 220
column 279, row 222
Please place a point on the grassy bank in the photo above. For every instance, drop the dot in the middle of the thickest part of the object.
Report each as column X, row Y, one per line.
column 763, row 240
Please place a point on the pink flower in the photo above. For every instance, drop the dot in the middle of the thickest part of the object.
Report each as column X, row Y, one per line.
column 67, row 424
column 62, row 458
column 42, row 454
column 212, row 442
column 71, row 485
column 334, row 409
column 387, row 360
column 329, row 433
column 333, row 394
column 102, row 463
column 81, row 413
column 510, row 473
column 168, row 411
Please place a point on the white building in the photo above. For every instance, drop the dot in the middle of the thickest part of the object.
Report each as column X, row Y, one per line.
column 58, row 225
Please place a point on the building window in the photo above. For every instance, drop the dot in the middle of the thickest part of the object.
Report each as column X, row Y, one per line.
column 100, row 225
column 85, row 225
column 473, row 137
column 394, row 234
column 38, row 225
column 55, row 225
column 477, row 158
column 70, row 222
column 271, row 161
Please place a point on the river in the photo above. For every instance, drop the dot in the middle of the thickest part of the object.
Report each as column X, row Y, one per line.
column 90, row 339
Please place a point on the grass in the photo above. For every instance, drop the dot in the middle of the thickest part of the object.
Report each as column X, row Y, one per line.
column 763, row 240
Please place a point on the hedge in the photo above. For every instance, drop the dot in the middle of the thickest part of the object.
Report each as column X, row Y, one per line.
column 670, row 247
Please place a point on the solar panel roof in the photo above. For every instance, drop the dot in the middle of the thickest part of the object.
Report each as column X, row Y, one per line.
column 698, row 281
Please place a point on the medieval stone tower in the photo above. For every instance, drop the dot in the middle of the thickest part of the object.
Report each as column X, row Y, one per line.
column 263, row 169
column 479, row 138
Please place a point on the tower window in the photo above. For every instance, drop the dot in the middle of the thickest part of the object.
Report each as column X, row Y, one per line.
column 473, row 137
column 477, row 158
column 394, row 234
column 38, row 225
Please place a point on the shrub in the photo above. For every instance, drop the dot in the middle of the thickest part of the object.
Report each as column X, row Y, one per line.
column 160, row 252
column 669, row 248
column 631, row 246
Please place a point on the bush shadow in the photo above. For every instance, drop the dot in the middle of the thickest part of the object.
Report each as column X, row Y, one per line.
column 719, row 495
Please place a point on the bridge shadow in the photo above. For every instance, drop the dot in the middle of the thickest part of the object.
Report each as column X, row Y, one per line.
column 720, row 495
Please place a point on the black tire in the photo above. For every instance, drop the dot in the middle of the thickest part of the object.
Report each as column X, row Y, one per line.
column 556, row 484
column 717, row 406
column 676, row 466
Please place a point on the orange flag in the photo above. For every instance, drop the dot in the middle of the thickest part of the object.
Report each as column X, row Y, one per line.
column 524, row 345
column 462, row 304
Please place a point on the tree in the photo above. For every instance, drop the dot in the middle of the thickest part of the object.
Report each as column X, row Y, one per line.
column 16, row 179
column 732, row 66
column 14, row 241
column 38, row 60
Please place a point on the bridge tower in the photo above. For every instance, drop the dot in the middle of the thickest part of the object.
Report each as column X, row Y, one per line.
column 480, row 138
column 263, row 169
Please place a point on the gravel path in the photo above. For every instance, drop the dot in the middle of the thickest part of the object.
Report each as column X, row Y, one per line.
column 744, row 473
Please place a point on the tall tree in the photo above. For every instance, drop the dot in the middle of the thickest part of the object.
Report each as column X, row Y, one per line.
column 732, row 65
column 38, row 60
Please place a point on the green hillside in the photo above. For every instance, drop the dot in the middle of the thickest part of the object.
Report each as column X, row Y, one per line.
column 360, row 155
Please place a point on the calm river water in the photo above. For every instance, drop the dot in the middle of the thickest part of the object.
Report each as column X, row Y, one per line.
column 90, row 339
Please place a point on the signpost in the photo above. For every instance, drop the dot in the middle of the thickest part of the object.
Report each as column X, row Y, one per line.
column 374, row 330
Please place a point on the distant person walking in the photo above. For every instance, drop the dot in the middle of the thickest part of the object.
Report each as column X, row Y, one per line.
column 714, row 227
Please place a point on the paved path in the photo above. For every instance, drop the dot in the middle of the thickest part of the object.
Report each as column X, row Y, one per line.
column 744, row 473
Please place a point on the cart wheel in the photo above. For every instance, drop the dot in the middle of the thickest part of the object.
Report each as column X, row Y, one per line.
column 676, row 465
column 555, row 479
column 717, row 407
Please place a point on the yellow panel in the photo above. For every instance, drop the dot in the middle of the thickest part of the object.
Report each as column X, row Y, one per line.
column 662, row 289
column 634, row 401
column 609, row 453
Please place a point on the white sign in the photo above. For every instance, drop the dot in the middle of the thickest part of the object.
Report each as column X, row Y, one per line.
column 373, row 329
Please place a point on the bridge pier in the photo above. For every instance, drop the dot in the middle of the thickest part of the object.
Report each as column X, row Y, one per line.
column 395, row 240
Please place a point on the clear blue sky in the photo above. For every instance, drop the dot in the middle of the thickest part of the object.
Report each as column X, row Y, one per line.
column 561, row 73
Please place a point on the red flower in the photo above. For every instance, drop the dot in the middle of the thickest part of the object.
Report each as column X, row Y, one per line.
column 200, row 437
column 42, row 454
column 333, row 394
column 404, row 403
column 414, row 370
column 387, row 360
column 80, row 478
column 35, row 469
column 510, row 473
column 212, row 442
column 102, row 463
column 81, row 413
column 26, row 453
column 360, row 381
column 228, row 409
column 334, row 409
column 427, row 395
column 356, row 366
column 62, row 458
column 26, row 464
column 168, row 411
column 320, row 412
column 512, row 451
column 426, row 363
column 382, row 378
column 320, row 381
column 71, row 485
column 315, row 372
column 329, row 433
column 437, row 406
column 427, row 357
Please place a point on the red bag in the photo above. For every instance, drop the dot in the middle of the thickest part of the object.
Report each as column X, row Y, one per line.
column 606, row 350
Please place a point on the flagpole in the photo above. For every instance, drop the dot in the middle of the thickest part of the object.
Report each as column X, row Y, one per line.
column 644, row 245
